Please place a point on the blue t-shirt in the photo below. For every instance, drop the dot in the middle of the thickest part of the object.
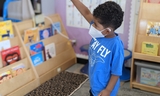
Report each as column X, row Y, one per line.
column 106, row 57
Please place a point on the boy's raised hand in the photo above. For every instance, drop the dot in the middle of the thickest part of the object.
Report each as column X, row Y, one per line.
column 83, row 10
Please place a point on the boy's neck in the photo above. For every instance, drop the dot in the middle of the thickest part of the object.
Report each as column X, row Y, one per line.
column 111, row 35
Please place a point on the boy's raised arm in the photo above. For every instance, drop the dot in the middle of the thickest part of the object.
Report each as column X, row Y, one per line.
column 83, row 10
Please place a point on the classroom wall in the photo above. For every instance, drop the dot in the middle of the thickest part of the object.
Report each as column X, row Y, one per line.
column 81, row 35
column 48, row 7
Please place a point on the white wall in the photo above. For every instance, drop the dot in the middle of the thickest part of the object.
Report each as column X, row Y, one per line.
column 135, row 5
column 48, row 7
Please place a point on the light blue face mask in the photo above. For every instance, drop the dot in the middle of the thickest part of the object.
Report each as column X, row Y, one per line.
column 96, row 33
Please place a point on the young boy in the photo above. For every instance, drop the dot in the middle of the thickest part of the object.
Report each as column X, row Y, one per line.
column 106, row 53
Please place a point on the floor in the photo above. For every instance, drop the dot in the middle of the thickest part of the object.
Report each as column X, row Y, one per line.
column 84, row 90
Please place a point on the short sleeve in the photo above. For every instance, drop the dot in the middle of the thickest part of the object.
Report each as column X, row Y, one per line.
column 117, row 60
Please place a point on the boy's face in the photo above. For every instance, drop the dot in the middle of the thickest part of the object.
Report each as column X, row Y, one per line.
column 99, row 27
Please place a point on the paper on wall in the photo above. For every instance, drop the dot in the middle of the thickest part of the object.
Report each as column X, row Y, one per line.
column 75, row 19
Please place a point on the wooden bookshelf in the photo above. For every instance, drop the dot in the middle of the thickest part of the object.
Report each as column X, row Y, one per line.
column 23, row 83
column 148, row 12
column 65, row 55
column 34, row 76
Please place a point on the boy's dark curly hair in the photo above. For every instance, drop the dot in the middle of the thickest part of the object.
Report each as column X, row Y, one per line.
column 109, row 14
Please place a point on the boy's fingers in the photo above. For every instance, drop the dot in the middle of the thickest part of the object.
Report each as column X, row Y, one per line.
column 99, row 94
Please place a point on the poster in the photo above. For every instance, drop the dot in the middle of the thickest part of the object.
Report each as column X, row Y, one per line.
column 75, row 19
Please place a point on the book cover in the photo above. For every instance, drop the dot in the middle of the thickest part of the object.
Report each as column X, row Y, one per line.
column 50, row 51
column 5, row 76
column 37, row 47
column 150, row 48
column 19, row 69
column 31, row 35
column 5, row 45
column 45, row 33
column 153, row 29
column 56, row 27
column 37, row 58
column 6, row 30
column 10, row 56
column 39, row 20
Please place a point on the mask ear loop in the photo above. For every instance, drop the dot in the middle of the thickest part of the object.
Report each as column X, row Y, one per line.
column 73, row 41
column 109, row 29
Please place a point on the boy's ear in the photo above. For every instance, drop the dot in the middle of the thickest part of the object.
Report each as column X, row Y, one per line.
column 109, row 29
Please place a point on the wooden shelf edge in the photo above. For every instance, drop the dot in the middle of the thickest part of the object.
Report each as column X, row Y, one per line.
column 141, row 56
column 145, row 87
column 55, row 61
column 150, row 4
column 51, row 73
column 25, row 88
column 58, row 66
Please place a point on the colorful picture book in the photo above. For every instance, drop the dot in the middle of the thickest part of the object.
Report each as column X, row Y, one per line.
column 50, row 51
column 19, row 69
column 150, row 48
column 10, row 56
column 5, row 76
column 6, row 30
column 5, row 45
column 56, row 27
column 37, row 58
column 45, row 33
column 150, row 77
column 36, row 48
column 31, row 35
column 39, row 20
column 153, row 29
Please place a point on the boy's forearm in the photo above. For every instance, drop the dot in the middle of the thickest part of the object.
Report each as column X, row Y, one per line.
column 112, row 82
column 82, row 9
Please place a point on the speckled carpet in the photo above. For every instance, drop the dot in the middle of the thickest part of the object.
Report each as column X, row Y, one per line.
column 63, row 84
column 74, row 84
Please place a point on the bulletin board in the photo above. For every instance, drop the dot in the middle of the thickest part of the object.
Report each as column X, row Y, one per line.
column 75, row 19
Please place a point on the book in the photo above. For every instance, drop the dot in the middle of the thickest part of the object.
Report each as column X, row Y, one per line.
column 5, row 76
column 153, row 29
column 31, row 35
column 37, row 47
column 39, row 20
column 50, row 51
column 45, row 33
column 6, row 30
column 150, row 48
column 5, row 45
column 19, row 69
column 56, row 27
column 10, row 56
column 37, row 58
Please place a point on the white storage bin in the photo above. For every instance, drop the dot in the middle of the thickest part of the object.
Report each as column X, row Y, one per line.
column 148, row 73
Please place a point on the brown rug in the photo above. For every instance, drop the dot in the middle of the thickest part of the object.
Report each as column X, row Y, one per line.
column 63, row 84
